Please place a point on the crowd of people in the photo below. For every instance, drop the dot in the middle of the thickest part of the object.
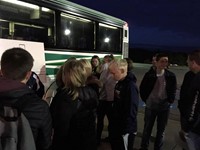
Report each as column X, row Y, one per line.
column 85, row 91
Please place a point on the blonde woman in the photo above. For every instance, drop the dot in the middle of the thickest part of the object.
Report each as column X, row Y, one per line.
column 73, row 110
column 92, row 80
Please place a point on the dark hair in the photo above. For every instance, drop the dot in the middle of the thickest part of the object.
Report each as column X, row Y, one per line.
column 95, row 57
column 15, row 63
column 160, row 55
column 109, row 57
column 195, row 56
column 130, row 64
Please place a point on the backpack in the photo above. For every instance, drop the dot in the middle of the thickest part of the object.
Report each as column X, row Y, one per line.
column 15, row 130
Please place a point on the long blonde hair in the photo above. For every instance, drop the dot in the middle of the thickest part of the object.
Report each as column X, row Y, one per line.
column 87, row 65
column 74, row 77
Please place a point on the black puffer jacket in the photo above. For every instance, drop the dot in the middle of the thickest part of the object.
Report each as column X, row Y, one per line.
column 36, row 110
column 74, row 120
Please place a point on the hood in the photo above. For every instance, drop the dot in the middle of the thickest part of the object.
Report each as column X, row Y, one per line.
column 12, row 89
column 131, row 76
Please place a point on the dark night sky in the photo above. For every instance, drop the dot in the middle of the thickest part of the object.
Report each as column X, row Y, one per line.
column 174, row 23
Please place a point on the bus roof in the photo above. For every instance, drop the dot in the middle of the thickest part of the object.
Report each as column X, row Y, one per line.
column 79, row 10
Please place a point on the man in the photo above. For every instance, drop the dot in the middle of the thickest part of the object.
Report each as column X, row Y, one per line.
column 106, row 97
column 190, row 116
column 16, row 65
column 157, row 90
column 123, row 124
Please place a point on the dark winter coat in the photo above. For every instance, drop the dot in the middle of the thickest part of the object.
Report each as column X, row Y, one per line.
column 184, row 100
column 74, row 120
column 35, row 109
column 193, row 108
column 125, row 106
column 149, row 80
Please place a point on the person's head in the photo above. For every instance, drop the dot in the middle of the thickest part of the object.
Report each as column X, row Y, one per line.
column 193, row 61
column 95, row 61
column 108, row 58
column 74, row 77
column 59, row 80
column 161, row 61
column 130, row 64
column 87, row 65
column 16, row 64
column 105, row 62
column 118, row 68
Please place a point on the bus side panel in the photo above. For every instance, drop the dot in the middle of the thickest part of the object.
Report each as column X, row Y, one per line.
column 125, row 45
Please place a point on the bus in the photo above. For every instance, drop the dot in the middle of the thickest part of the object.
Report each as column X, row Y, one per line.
column 66, row 29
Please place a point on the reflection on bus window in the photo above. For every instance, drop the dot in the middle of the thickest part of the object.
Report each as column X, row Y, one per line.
column 25, row 21
column 109, row 38
column 76, row 33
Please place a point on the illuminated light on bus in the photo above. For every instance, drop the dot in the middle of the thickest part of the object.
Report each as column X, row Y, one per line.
column 17, row 2
column 104, row 25
column 126, row 25
column 75, row 18
column 53, row 22
column 22, row 3
column 45, row 9
column 106, row 40
column 67, row 32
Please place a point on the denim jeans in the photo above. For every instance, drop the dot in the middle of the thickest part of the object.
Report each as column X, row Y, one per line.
column 149, row 119
column 193, row 141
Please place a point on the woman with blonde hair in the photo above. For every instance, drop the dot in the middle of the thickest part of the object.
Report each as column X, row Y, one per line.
column 73, row 110
column 92, row 80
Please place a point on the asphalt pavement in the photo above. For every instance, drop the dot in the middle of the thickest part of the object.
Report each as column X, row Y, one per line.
column 173, row 126
column 171, row 132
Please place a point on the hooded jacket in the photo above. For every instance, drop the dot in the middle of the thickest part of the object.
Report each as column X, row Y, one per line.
column 125, row 106
column 16, row 94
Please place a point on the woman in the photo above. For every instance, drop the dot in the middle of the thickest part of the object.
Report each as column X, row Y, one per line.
column 96, row 64
column 73, row 110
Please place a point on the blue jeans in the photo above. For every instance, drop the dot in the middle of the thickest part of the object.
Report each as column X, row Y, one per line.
column 193, row 141
column 149, row 119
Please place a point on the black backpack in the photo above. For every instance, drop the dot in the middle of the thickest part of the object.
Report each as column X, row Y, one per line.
column 15, row 130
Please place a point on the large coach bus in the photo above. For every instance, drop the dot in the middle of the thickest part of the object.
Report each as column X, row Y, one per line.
column 66, row 29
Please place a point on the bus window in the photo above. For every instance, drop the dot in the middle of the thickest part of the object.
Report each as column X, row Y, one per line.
column 4, row 29
column 25, row 21
column 108, row 38
column 76, row 33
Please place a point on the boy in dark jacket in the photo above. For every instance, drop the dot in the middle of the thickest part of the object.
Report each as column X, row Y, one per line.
column 123, row 124
column 157, row 90
column 16, row 65
column 189, row 104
